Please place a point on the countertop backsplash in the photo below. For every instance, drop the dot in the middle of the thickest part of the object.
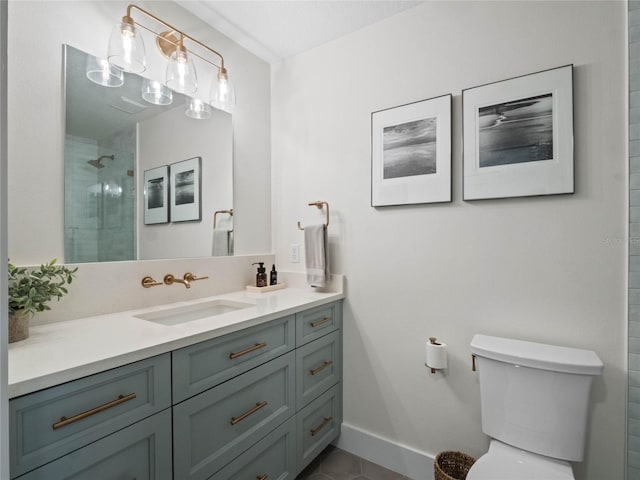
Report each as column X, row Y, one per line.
column 101, row 288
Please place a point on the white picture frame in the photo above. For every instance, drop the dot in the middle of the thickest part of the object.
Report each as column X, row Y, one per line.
column 156, row 195
column 411, row 153
column 186, row 190
column 518, row 136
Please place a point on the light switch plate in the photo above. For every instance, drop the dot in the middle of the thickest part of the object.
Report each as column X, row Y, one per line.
column 294, row 253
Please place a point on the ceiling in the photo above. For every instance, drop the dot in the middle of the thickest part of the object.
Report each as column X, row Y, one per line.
column 275, row 30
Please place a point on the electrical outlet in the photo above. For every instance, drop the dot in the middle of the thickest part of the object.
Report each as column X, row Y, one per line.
column 294, row 253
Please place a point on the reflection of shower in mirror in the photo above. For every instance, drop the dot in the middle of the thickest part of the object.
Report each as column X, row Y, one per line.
column 96, row 163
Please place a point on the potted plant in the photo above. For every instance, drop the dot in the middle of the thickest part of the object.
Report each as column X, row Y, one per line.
column 30, row 289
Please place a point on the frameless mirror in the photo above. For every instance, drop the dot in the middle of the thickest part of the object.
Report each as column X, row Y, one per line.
column 130, row 164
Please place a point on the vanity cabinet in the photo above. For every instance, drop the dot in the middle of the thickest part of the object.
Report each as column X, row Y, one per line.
column 48, row 424
column 261, row 403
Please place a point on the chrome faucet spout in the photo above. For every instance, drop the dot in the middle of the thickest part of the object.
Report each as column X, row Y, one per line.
column 170, row 280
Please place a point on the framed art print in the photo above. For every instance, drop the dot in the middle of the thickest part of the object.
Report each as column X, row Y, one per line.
column 518, row 136
column 186, row 190
column 411, row 153
column 156, row 195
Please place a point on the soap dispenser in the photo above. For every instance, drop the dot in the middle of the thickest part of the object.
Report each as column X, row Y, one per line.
column 261, row 276
column 273, row 276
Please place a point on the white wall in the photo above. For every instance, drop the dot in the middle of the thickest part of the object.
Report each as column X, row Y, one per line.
column 209, row 139
column 36, row 122
column 549, row 269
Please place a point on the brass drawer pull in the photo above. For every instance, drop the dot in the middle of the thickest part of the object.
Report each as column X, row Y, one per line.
column 325, row 364
column 321, row 322
column 247, row 350
column 315, row 431
column 251, row 411
column 262, row 477
column 66, row 421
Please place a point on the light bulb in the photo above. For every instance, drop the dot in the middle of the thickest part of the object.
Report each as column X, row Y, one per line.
column 156, row 93
column 101, row 72
column 181, row 72
column 126, row 47
column 223, row 95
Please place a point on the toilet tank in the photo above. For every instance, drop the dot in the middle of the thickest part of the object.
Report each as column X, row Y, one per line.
column 535, row 396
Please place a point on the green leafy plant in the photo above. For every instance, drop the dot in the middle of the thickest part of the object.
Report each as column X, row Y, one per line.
column 31, row 289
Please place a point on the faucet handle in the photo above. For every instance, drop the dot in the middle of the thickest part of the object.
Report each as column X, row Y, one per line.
column 148, row 282
column 190, row 277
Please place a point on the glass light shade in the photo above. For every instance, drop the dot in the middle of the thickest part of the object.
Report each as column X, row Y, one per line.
column 181, row 72
column 126, row 48
column 156, row 93
column 223, row 95
column 103, row 73
column 198, row 109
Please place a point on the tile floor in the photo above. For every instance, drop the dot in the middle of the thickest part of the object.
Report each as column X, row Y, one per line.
column 336, row 464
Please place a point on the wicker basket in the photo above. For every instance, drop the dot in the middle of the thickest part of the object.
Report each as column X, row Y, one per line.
column 452, row 466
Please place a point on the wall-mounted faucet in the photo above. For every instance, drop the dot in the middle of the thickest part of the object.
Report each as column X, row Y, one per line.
column 186, row 279
column 170, row 280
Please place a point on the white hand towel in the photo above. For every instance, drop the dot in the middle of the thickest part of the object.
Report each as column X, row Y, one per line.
column 223, row 237
column 315, row 248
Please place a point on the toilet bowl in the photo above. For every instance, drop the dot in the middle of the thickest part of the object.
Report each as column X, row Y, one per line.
column 504, row 462
column 534, row 401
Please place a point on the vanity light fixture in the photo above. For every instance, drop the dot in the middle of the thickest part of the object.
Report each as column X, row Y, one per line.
column 103, row 73
column 198, row 109
column 127, row 52
column 156, row 93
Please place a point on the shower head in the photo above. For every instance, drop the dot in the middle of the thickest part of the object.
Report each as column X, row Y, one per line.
column 96, row 163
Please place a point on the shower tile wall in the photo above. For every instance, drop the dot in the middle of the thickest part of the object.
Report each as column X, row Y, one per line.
column 117, row 233
column 81, row 199
column 633, row 417
column 100, row 202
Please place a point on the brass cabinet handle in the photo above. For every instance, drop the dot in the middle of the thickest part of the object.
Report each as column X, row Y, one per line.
column 324, row 365
column 321, row 322
column 262, row 477
column 315, row 431
column 251, row 411
column 250, row 349
column 66, row 421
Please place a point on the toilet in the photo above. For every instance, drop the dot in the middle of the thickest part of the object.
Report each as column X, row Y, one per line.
column 535, row 405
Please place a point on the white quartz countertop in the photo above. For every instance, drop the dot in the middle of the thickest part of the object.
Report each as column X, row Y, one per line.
column 64, row 351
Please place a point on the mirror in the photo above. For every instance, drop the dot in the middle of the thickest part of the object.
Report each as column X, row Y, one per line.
column 115, row 144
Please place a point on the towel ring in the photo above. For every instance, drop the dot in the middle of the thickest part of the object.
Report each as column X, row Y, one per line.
column 318, row 204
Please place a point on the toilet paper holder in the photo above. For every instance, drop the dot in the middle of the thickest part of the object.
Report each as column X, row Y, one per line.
column 433, row 363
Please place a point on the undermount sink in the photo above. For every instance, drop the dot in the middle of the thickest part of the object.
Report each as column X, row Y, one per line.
column 188, row 313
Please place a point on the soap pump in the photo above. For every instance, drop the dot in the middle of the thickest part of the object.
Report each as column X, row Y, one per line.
column 261, row 276
column 273, row 276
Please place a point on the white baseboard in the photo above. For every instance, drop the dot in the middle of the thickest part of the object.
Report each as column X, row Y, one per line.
column 400, row 458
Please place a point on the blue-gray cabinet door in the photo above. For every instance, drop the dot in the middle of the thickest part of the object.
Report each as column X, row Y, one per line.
column 204, row 365
column 318, row 367
column 48, row 424
column 317, row 322
column 272, row 458
column 141, row 452
column 214, row 427
column 318, row 424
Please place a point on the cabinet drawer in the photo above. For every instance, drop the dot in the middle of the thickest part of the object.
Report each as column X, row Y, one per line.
column 199, row 367
column 318, row 425
column 318, row 367
column 141, row 451
column 318, row 321
column 214, row 427
column 51, row 423
column 272, row 458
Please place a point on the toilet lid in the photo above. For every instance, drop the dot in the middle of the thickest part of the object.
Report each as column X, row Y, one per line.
column 504, row 462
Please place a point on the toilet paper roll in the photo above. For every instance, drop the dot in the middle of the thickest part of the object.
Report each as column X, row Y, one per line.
column 436, row 355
